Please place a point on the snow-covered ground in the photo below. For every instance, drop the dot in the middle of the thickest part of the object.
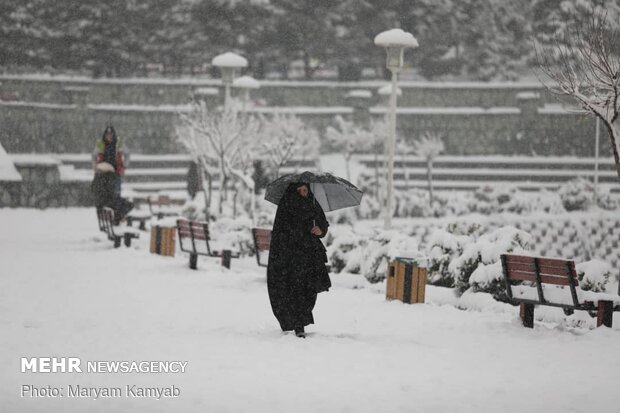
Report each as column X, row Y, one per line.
column 65, row 292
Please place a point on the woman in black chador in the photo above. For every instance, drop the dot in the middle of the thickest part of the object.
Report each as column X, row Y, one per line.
column 296, row 270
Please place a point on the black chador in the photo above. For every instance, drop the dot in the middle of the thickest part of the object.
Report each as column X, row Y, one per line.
column 296, row 270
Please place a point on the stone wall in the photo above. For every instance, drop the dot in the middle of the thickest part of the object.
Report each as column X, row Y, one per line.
column 42, row 187
column 68, row 114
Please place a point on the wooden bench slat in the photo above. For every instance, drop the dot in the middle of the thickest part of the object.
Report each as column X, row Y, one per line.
column 544, row 278
column 557, row 271
column 519, row 266
column 519, row 259
column 197, row 235
column 196, row 226
column 522, row 276
column 550, row 279
column 263, row 245
column 553, row 262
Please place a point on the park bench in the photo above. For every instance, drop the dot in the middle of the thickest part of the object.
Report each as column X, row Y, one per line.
column 115, row 233
column 532, row 281
column 9, row 96
column 138, row 216
column 194, row 238
column 262, row 241
column 163, row 206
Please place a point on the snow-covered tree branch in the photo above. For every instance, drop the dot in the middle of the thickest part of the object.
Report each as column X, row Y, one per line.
column 284, row 137
column 349, row 138
column 428, row 147
column 222, row 140
column 584, row 64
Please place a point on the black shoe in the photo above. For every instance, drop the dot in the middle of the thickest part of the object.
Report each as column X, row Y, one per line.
column 299, row 332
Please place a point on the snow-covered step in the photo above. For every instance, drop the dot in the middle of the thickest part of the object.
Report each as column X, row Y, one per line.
column 473, row 185
column 155, row 186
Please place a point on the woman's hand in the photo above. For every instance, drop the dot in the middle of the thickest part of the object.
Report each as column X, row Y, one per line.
column 316, row 231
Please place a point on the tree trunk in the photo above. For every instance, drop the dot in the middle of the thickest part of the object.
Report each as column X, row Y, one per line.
column 205, row 183
column 235, row 203
column 377, row 176
column 430, row 182
column 347, row 160
column 614, row 137
column 222, row 184
column 308, row 71
column 406, row 172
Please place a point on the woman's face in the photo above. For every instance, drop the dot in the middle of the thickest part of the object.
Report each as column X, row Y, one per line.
column 303, row 191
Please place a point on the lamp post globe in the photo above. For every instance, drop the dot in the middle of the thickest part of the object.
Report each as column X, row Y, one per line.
column 228, row 63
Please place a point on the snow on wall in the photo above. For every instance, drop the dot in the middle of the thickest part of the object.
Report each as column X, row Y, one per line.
column 448, row 110
column 279, row 83
column 7, row 168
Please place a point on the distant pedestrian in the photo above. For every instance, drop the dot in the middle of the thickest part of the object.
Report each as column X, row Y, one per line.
column 109, row 170
column 194, row 180
column 109, row 149
column 296, row 270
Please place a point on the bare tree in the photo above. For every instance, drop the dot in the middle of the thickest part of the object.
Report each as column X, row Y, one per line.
column 584, row 65
column 428, row 147
column 349, row 138
column 284, row 138
column 218, row 138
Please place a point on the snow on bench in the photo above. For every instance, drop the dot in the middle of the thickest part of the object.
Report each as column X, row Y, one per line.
column 552, row 282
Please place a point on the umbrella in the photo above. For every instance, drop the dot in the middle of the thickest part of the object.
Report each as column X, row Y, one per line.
column 331, row 192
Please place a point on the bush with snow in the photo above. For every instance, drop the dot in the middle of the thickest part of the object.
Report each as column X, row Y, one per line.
column 577, row 194
column 385, row 245
column 547, row 202
column 449, row 204
column 444, row 246
column 486, row 250
column 606, row 202
column 344, row 249
column 411, row 204
column 234, row 233
column 597, row 276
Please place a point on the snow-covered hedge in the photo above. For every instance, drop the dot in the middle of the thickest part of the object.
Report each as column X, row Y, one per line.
column 367, row 252
column 597, row 276
column 385, row 245
column 445, row 246
column 344, row 249
column 479, row 265
column 575, row 195
column 578, row 195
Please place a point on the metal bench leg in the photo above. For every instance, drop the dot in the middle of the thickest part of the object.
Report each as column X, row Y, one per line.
column 226, row 257
column 605, row 313
column 526, row 312
column 143, row 225
column 117, row 242
column 193, row 261
column 127, row 240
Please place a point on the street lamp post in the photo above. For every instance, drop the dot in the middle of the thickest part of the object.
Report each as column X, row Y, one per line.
column 228, row 63
column 246, row 83
column 395, row 42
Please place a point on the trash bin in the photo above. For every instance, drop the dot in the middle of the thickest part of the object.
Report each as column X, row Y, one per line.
column 163, row 239
column 406, row 281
